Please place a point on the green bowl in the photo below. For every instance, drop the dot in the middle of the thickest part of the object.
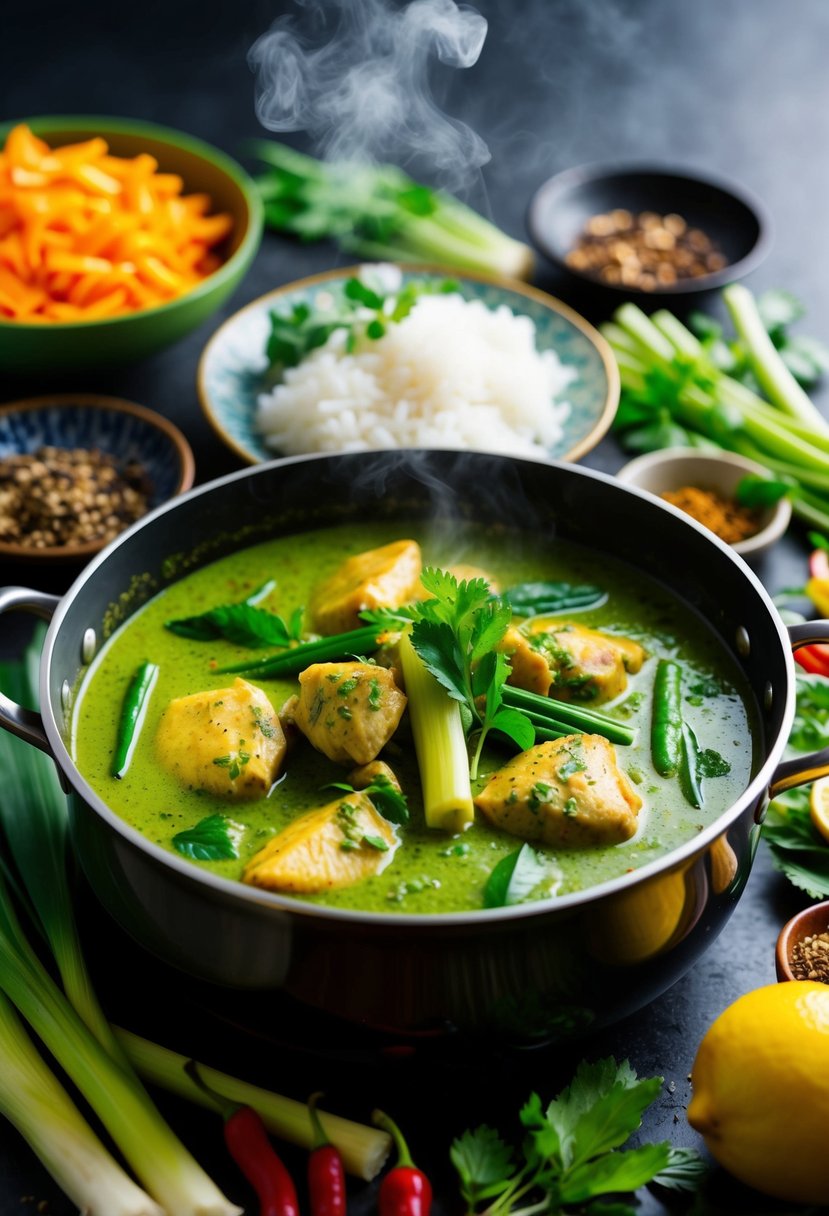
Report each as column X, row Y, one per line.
column 65, row 346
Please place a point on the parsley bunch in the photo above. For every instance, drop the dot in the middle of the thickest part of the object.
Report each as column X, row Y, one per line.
column 455, row 634
column 572, row 1156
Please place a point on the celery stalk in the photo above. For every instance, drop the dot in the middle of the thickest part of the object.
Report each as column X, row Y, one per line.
column 364, row 1149
column 39, row 1107
column 770, row 370
column 440, row 745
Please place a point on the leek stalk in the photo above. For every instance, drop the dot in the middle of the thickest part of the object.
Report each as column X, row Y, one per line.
column 39, row 1107
column 363, row 1149
column 440, row 745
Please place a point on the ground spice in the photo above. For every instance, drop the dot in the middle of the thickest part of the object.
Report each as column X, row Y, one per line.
column 647, row 252
column 722, row 516
column 69, row 496
column 810, row 958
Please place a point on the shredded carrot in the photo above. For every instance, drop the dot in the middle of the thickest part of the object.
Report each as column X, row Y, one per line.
column 85, row 234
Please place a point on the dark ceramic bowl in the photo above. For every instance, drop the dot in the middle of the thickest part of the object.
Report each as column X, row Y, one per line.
column 807, row 923
column 735, row 222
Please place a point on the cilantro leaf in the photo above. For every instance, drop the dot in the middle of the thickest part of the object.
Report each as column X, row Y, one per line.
column 437, row 646
column 604, row 1105
column 484, row 1163
column 215, row 838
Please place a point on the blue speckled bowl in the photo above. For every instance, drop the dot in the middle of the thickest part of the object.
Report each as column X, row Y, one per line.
column 84, row 420
column 232, row 371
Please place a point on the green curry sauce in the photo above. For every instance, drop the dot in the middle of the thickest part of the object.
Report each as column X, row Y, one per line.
column 430, row 872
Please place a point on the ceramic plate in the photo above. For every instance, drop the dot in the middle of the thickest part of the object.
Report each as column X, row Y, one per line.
column 233, row 368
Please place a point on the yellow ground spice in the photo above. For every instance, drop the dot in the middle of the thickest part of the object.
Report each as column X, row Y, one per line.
column 722, row 516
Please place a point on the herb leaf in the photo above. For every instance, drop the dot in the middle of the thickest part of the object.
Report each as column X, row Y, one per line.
column 684, row 1171
column 215, row 838
column 755, row 491
column 541, row 599
column 615, row 1172
column 516, row 877
column 389, row 801
column 484, row 1163
column 244, row 624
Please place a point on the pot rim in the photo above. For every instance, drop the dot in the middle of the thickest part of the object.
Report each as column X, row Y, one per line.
column 227, row 888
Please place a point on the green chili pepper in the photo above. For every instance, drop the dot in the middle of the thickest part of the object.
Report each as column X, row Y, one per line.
column 132, row 716
column 689, row 776
column 666, row 723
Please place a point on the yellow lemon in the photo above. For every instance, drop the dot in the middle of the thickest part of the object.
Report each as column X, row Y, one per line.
column 819, row 805
column 761, row 1090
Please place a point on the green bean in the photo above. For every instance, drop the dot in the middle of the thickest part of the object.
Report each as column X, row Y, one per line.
column 132, row 716
column 666, row 722
column 563, row 714
column 323, row 650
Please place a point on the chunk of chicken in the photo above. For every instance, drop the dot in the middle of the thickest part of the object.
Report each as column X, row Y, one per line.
column 378, row 771
column 564, row 793
column 227, row 741
column 348, row 711
column 337, row 845
column 570, row 662
column 380, row 578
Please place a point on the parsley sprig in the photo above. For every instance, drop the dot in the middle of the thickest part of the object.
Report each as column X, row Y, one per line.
column 572, row 1156
column 455, row 634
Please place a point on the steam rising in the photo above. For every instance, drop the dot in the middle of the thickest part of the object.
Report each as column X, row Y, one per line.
column 363, row 91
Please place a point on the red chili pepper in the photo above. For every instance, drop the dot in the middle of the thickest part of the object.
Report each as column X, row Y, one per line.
column 326, row 1176
column 814, row 659
column 247, row 1140
column 405, row 1190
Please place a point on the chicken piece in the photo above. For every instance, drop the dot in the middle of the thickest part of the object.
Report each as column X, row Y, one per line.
column 337, row 845
column 348, row 711
column 582, row 664
column 380, row 578
column 565, row 793
column 378, row 771
column 227, row 741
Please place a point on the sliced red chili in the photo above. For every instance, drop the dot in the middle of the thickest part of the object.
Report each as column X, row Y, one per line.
column 819, row 563
column 814, row 659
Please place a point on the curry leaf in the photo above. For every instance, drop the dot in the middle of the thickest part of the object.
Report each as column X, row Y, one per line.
column 215, row 838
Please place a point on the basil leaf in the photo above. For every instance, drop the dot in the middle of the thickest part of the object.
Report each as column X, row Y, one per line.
column 215, row 838
column 541, row 599
column 515, row 878
column 242, row 624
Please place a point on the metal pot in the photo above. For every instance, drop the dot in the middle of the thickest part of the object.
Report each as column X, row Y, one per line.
column 539, row 971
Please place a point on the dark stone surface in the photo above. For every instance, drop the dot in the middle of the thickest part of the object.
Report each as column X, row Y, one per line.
column 735, row 89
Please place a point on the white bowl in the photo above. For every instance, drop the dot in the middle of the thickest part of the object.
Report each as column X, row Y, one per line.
column 672, row 468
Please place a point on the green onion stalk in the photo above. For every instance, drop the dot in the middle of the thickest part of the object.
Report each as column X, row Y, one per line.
column 39, row 1107
column 73, row 1026
column 664, row 367
column 377, row 211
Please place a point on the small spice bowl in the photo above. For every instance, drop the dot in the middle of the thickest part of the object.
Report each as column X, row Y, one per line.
column 127, row 435
column 673, row 469
column 722, row 213
column 793, row 950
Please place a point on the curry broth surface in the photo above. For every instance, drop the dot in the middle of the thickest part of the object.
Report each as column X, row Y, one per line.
column 430, row 871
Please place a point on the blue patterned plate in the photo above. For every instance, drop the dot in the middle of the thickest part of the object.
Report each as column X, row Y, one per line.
column 233, row 367
column 86, row 420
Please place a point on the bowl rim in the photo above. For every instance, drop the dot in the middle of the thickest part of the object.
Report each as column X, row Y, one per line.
column 779, row 514
column 594, row 337
column 103, row 404
column 57, row 124
column 221, row 887
column 596, row 170
column 791, row 933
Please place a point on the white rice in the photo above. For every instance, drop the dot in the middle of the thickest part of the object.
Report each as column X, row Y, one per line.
column 453, row 374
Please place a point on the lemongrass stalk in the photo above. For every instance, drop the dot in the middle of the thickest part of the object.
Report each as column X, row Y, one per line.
column 160, row 1161
column 639, row 326
column 772, row 374
column 364, row 1150
column 36, row 1103
column 440, row 745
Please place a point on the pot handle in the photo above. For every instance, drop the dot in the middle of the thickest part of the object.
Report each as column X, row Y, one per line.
column 25, row 723
column 802, row 769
